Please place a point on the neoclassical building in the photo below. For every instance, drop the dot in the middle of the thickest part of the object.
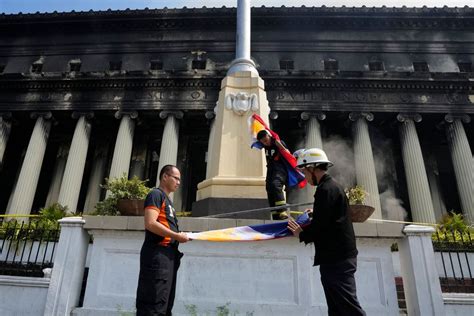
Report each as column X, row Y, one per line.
column 387, row 92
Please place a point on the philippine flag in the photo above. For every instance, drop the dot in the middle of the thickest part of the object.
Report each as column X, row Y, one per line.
column 256, row 124
column 250, row 233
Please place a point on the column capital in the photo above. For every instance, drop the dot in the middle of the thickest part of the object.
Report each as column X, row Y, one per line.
column 354, row 116
column 450, row 118
column 273, row 115
column 414, row 230
column 46, row 115
column 119, row 114
column 210, row 115
column 321, row 116
column 88, row 115
column 177, row 114
column 403, row 117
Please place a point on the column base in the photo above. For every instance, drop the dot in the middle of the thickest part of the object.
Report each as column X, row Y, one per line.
column 214, row 206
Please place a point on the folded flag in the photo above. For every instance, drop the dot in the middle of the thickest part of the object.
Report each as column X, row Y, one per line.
column 295, row 177
column 251, row 233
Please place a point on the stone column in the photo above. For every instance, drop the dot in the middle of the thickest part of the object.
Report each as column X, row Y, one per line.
column 312, row 139
column 420, row 277
column 5, row 128
column 435, row 187
column 137, row 167
column 57, row 177
column 123, row 144
column 419, row 194
column 462, row 162
column 210, row 116
column 364, row 160
column 69, row 263
column 97, row 177
column 170, row 139
column 76, row 161
column 25, row 188
column 169, row 149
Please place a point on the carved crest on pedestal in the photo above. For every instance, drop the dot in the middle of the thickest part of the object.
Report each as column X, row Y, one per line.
column 241, row 102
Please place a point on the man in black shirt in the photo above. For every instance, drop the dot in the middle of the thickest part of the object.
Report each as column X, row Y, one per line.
column 159, row 256
column 277, row 173
column 332, row 233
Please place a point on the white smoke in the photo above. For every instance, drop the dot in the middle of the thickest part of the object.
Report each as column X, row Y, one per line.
column 340, row 153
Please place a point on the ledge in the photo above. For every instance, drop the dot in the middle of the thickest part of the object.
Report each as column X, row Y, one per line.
column 196, row 224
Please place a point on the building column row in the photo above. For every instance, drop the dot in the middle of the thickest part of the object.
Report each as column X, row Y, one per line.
column 68, row 173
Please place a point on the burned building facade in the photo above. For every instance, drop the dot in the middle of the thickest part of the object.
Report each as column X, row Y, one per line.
column 387, row 92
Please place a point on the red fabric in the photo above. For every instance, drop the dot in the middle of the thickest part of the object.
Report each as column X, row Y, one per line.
column 285, row 153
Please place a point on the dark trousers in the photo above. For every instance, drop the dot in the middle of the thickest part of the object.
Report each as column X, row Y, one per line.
column 157, row 280
column 276, row 179
column 340, row 288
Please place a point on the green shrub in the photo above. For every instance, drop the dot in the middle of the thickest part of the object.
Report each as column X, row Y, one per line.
column 121, row 188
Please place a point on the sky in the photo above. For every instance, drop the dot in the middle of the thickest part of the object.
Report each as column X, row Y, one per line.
column 31, row 6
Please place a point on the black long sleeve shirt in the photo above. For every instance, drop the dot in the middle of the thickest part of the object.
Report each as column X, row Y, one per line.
column 331, row 228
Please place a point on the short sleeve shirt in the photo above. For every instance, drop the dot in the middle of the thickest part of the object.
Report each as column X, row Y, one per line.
column 160, row 202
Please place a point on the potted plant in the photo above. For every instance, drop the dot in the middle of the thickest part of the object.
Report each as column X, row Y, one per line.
column 127, row 197
column 359, row 212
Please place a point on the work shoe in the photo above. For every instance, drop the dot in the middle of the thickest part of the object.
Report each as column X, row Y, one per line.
column 279, row 215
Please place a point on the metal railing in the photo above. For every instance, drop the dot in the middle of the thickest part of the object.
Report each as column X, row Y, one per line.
column 26, row 248
column 456, row 250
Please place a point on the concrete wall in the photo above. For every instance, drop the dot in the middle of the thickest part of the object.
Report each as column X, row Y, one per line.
column 22, row 296
column 272, row 277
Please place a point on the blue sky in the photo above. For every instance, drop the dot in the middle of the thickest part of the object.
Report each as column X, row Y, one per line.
column 28, row 6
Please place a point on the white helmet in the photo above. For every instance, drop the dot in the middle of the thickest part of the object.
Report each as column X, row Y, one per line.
column 312, row 156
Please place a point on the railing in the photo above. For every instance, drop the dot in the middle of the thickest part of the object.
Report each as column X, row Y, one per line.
column 456, row 250
column 26, row 248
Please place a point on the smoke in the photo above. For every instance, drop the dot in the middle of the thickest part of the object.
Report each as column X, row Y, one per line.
column 340, row 152
column 392, row 206
column 384, row 159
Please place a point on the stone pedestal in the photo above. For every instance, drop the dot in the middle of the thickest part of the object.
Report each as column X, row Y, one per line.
column 237, row 172
column 420, row 276
column 66, row 280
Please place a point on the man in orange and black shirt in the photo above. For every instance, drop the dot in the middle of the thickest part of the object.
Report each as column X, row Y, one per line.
column 159, row 256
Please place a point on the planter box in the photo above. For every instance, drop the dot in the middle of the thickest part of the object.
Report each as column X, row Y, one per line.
column 131, row 207
column 360, row 213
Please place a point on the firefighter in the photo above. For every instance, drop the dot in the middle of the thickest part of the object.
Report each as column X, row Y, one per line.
column 332, row 234
column 277, row 173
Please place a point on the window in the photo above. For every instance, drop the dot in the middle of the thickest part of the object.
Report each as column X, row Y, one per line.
column 36, row 67
column 420, row 66
column 287, row 64
column 75, row 65
column 331, row 65
column 156, row 64
column 115, row 65
column 199, row 64
column 465, row 67
column 376, row 65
